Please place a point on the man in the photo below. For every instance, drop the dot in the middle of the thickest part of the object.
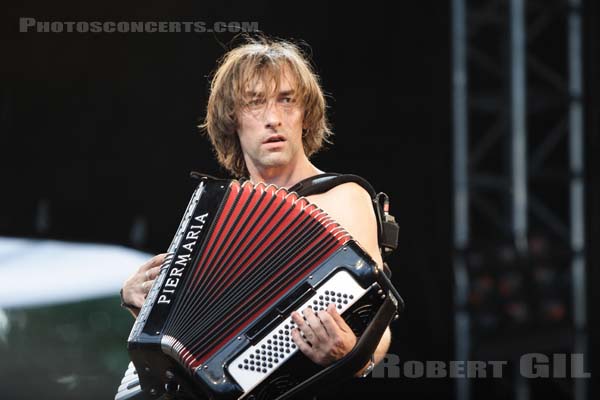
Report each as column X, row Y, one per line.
column 265, row 118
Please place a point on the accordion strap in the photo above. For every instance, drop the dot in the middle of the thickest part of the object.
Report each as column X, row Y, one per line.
column 387, row 228
column 323, row 182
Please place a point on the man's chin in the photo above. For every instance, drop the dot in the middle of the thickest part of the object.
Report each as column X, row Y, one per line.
column 275, row 160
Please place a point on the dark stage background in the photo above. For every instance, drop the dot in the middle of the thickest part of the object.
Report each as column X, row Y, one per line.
column 102, row 129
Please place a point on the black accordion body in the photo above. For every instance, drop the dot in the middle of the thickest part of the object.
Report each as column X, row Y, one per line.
column 216, row 323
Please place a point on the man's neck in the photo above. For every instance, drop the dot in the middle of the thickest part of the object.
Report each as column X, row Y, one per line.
column 284, row 177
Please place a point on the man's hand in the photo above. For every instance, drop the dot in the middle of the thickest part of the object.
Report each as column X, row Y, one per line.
column 137, row 286
column 326, row 336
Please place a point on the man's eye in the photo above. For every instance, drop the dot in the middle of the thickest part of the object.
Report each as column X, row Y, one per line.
column 256, row 102
column 287, row 99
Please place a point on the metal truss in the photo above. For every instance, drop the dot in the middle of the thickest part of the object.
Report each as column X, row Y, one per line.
column 518, row 142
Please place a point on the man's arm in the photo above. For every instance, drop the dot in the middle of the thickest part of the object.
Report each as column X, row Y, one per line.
column 350, row 206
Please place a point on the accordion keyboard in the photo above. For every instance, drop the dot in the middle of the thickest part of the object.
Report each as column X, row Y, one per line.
column 257, row 362
column 130, row 384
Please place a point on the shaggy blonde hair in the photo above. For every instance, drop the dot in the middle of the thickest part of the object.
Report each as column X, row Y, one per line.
column 261, row 60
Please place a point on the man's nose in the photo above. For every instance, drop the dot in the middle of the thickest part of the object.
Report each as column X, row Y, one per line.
column 272, row 115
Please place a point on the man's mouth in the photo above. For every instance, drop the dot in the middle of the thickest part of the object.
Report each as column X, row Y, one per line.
column 275, row 139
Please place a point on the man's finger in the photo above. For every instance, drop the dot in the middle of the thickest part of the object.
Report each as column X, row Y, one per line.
column 152, row 273
column 315, row 323
column 328, row 322
column 157, row 260
column 332, row 310
column 146, row 285
column 304, row 328
column 301, row 343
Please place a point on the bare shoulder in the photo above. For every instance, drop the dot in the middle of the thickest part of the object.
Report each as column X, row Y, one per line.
column 354, row 190
column 350, row 206
column 348, row 199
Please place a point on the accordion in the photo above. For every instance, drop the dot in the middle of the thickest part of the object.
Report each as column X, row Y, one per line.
column 216, row 324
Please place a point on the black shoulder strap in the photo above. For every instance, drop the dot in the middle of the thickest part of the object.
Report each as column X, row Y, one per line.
column 323, row 182
column 387, row 228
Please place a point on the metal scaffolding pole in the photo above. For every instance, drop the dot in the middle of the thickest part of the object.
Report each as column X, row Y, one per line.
column 518, row 126
column 518, row 145
column 576, row 188
column 461, row 189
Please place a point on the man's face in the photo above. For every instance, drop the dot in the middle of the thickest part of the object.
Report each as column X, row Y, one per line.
column 270, row 127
